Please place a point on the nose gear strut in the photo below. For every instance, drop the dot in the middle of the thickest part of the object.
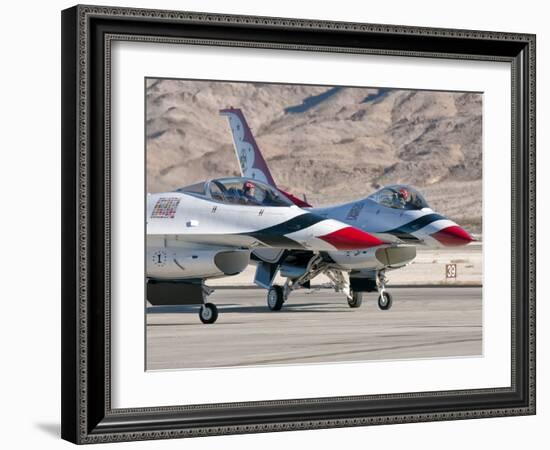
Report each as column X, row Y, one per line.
column 384, row 297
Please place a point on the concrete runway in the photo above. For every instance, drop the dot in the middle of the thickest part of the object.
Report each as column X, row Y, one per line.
column 316, row 326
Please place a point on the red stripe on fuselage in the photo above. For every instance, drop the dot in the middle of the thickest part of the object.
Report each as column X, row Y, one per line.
column 295, row 200
column 453, row 236
column 350, row 238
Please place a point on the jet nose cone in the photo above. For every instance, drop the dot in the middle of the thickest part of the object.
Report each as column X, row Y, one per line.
column 350, row 238
column 452, row 236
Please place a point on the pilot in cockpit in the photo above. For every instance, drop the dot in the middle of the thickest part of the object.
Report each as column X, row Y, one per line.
column 403, row 197
column 248, row 193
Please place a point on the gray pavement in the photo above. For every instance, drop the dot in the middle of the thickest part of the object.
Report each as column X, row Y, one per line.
column 316, row 326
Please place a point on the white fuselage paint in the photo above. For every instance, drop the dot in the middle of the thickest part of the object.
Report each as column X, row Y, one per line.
column 187, row 235
column 202, row 221
column 378, row 220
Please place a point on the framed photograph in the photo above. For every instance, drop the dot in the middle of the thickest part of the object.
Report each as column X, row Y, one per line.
column 281, row 224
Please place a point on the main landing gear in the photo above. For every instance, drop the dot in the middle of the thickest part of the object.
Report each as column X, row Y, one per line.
column 355, row 300
column 278, row 295
column 275, row 297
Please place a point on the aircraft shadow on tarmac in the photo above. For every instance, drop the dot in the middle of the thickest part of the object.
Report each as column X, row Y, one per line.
column 232, row 308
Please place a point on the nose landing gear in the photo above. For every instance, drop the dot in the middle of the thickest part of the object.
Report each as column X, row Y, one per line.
column 208, row 313
column 385, row 301
column 384, row 298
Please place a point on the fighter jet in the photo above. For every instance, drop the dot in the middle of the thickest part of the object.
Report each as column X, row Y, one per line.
column 397, row 214
column 208, row 230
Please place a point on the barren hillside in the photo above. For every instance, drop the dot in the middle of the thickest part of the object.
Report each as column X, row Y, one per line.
column 330, row 144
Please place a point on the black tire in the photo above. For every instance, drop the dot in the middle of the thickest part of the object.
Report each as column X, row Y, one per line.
column 385, row 301
column 275, row 298
column 208, row 313
column 355, row 300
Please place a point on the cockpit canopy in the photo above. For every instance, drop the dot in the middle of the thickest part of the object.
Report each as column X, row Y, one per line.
column 399, row 196
column 237, row 191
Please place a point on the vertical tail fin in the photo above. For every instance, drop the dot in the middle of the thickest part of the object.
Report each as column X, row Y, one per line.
column 250, row 159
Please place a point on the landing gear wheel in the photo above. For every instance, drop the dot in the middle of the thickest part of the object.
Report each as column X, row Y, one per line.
column 384, row 300
column 208, row 313
column 355, row 300
column 275, row 298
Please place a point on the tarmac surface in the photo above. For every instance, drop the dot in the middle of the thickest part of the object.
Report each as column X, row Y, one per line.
column 316, row 326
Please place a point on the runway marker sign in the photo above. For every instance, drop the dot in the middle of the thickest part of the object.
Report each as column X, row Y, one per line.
column 450, row 271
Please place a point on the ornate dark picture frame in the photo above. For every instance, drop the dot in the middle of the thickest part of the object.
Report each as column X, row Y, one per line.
column 87, row 34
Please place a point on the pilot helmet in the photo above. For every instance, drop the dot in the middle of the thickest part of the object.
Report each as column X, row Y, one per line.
column 404, row 193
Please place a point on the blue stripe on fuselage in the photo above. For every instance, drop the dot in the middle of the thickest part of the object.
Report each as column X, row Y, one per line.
column 405, row 231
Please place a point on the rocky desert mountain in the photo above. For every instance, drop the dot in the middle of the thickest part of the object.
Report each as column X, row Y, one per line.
column 329, row 144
